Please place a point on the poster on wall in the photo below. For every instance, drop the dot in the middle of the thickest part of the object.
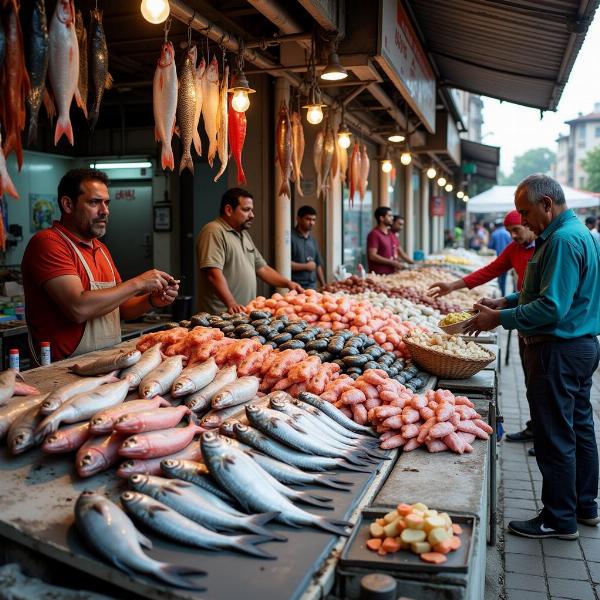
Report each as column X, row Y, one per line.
column 437, row 206
column 43, row 209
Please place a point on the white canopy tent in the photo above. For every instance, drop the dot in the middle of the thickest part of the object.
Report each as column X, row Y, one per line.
column 501, row 199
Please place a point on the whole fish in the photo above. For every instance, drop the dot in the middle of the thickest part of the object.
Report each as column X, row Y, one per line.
column 238, row 392
column 104, row 421
column 194, row 378
column 65, row 392
column 159, row 443
column 152, row 466
column 343, row 160
column 238, row 473
column 326, row 156
column 283, row 146
column 199, row 504
column 353, row 173
column 63, row 68
column 176, row 527
column 101, row 78
column 318, row 155
column 151, row 420
column 147, row 363
column 237, row 136
column 82, row 41
column 164, row 103
column 210, row 106
column 186, row 108
column 223, row 122
column 107, row 363
column 23, row 433
column 8, row 379
column 297, row 150
column 37, row 65
column 198, row 75
column 6, row 184
column 109, row 531
column 363, row 180
column 67, row 439
column 98, row 454
column 10, row 412
column 84, row 406
column 201, row 400
column 335, row 161
column 24, row 389
column 160, row 380
column 216, row 417
column 198, row 474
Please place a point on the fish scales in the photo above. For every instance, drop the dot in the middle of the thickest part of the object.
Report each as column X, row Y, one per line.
column 283, row 142
column 186, row 108
column 164, row 103
column 98, row 64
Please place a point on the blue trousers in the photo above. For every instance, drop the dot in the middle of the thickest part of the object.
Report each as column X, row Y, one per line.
column 559, row 377
column 502, row 284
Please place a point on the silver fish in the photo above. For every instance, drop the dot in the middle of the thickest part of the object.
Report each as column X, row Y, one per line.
column 176, row 527
column 297, row 150
column 103, row 422
column 194, row 378
column 109, row 531
column 210, row 106
column 160, row 380
column 99, row 64
column 326, row 156
column 238, row 473
column 10, row 412
column 107, row 363
column 196, row 473
column 186, row 108
column 23, row 433
column 7, row 384
column 223, row 123
column 84, row 406
column 199, row 74
column 198, row 504
column 215, row 417
column 201, row 400
column 238, row 392
column 62, row 394
column 147, row 363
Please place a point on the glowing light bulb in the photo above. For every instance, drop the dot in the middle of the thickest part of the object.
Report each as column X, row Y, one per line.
column 465, row 198
column 386, row 165
column 460, row 194
column 155, row 11
column 441, row 181
column 240, row 101
column 431, row 172
column 396, row 138
column 344, row 140
column 449, row 187
column 405, row 158
column 314, row 114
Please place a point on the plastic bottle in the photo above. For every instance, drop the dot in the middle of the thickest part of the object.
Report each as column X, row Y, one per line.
column 45, row 358
column 13, row 358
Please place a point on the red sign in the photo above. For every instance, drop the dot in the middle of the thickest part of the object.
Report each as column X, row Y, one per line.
column 437, row 206
column 125, row 195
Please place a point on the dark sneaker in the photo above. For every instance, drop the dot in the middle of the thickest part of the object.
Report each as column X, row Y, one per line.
column 521, row 436
column 592, row 522
column 535, row 528
column 531, row 451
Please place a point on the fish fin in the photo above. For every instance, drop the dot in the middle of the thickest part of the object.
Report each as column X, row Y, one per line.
column 49, row 104
column 176, row 485
column 63, row 127
column 299, row 188
column 156, row 134
column 284, row 190
column 334, row 526
column 176, row 575
column 241, row 179
column 166, row 158
column 293, row 176
column 295, row 426
column 176, row 130
column 143, row 540
column 221, row 171
column 197, row 143
column 351, row 467
column 245, row 543
column 337, row 484
column 108, row 82
column 212, row 152
column 81, row 103
column 8, row 187
column 186, row 163
column 157, row 508
column 256, row 524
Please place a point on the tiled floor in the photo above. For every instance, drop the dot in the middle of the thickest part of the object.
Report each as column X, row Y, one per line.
column 533, row 569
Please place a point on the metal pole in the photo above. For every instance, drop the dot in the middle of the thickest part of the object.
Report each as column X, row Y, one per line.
column 409, row 231
column 424, row 201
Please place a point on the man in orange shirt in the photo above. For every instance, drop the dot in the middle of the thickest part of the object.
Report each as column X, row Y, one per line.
column 74, row 296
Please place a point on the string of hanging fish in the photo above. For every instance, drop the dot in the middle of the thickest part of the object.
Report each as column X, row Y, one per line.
column 181, row 99
column 57, row 63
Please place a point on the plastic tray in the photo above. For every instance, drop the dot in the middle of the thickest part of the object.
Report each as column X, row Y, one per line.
column 356, row 553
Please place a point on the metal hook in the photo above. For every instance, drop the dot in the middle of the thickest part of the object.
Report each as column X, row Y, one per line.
column 189, row 37
column 168, row 23
column 192, row 17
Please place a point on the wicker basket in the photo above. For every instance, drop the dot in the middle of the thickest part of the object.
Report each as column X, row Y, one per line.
column 444, row 365
column 459, row 327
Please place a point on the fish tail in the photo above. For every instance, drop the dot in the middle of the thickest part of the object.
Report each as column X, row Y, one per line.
column 245, row 543
column 166, row 158
column 176, row 575
column 334, row 526
column 284, row 190
column 314, row 500
column 80, row 102
column 8, row 187
column 241, row 176
column 350, row 467
column 336, row 484
column 212, row 152
column 32, row 129
column 377, row 454
column 356, row 458
column 93, row 117
column 46, row 427
column 156, row 134
column 197, row 143
column 298, row 187
column 256, row 524
column 186, row 162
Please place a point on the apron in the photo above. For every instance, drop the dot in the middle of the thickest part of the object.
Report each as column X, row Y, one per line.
column 101, row 332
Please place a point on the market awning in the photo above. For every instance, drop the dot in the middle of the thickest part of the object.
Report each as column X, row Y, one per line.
column 522, row 52
column 480, row 159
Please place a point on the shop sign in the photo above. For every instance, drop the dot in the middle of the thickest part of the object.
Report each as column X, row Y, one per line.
column 402, row 57
column 437, row 206
column 125, row 195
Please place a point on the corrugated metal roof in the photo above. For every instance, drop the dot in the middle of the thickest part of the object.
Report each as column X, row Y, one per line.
column 486, row 157
column 516, row 50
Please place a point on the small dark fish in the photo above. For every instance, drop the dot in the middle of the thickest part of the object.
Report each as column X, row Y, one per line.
column 101, row 78
column 82, row 42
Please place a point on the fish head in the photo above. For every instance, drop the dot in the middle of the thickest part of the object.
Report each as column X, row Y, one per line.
column 129, row 467
column 130, row 499
column 182, row 387
column 138, row 481
column 65, row 12
column 20, row 441
column 101, row 424
column 49, row 406
column 228, row 428
column 170, row 465
column 167, row 55
column 135, row 443
column 149, row 390
column 90, row 463
column 128, row 422
column 57, row 442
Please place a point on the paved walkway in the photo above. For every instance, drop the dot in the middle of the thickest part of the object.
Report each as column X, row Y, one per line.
column 538, row 569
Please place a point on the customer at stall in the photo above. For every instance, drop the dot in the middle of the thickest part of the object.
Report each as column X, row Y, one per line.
column 307, row 264
column 228, row 259
column 397, row 227
column 382, row 244
column 74, row 297
column 557, row 316
column 590, row 223
column 499, row 239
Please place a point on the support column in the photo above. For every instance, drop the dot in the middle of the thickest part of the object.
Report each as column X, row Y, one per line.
column 424, row 201
column 334, row 222
column 409, row 230
column 283, row 204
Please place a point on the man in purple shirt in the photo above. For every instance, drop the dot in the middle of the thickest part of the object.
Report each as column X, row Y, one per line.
column 382, row 244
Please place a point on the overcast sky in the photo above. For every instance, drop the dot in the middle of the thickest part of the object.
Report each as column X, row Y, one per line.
column 516, row 129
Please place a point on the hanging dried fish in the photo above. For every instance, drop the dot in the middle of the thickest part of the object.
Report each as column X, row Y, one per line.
column 326, row 156
column 237, row 136
column 164, row 102
column 99, row 64
column 210, row 106
column 363, row 179
column 186, row 108
column 284, row 149
column 297, row 150
column 198, row 83
column 82, row 41
column 222, row 135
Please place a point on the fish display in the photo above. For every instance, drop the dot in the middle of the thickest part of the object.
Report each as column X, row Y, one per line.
column 186, row 108
column 101, row 78
column 107, row 363
column 82, row 41
column 297, row 150
column 10, row 412
column 283, row 146
column 104, row 421
column 67, row 439
column 147, row 363
column 23, row 433
column 238, row 392
column 237, row 136
column 98, row 454
column 65, row 392
column 201, row 401
column 210, row 106
column 222, row 125
column 194, row 378
column 164, row 103
column 160, row 380
column 198, row 75
column 151, row 420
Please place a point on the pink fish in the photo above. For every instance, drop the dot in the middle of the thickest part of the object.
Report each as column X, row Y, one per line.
column 67, row 439
column 210, row 106
column 151, row 420
column 6, row 184
column 104, row 421
column 98, row 454
column 151, row 466
column 164, row 103
column 22, row 389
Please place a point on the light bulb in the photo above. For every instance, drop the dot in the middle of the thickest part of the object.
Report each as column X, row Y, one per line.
column 449, row 187
column 314, row 114
column 396, row 138
column 386, row 165
column 460, row 194
column 344, row 140
column 405, row 158
column 441, row 181
column 155, row 11
column 240, row 101
column 465, row 198
column 431, row 172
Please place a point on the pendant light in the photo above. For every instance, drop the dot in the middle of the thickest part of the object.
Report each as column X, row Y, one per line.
column 448, row 187
column 155, row 11
column 314, row 108
column 334, row 70
column 431, row 172
column 239, row 86
column 343, row 134
column 386, row 163
column 397, row 137
column 441, row 181
column 460, row 194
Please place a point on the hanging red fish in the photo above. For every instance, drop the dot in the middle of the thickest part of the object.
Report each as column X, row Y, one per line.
column 237, row 137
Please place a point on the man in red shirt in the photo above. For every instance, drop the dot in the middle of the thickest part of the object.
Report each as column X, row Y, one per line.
column 382, row 244
column 74, row 296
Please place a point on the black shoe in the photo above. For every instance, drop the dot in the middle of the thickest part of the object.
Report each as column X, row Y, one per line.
column 535, row 528
column 531, row 451
column 522, row 436
column 591, row 522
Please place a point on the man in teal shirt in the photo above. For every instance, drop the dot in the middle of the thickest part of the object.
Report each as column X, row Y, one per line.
column 557, row 314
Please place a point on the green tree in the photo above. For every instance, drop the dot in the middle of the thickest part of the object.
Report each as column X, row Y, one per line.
column 536, row 160
column 591, row 164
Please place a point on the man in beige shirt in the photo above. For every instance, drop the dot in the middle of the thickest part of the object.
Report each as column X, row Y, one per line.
column 229, row 260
